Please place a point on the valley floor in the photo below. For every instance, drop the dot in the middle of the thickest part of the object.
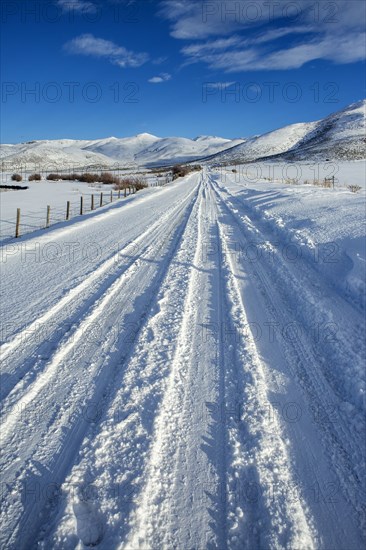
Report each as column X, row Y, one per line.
column 184, row 370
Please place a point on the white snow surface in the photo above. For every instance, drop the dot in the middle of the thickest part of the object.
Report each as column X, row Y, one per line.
column 185, row 369
column 33, row 201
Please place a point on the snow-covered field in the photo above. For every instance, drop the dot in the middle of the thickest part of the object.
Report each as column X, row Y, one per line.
column 186, row 370
column 33, row 201
column 345, row 172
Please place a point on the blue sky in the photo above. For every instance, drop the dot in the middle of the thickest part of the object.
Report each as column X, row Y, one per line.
column 235, row 68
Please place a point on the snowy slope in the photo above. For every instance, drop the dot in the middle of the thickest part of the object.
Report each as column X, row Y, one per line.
column 179, row 149
column 338, row 136
column 143, row 149
column 266, row 145
column 186, row 370
column 122, row 149
column 341, row 135
column 49, row 154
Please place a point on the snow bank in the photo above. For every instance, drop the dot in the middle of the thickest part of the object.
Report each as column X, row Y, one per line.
column 327, row 226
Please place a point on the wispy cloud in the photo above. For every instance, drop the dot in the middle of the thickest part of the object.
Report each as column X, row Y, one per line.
column 159, row 60
column 338, row 49
column 83, row 6
column 335, row 32
column 219, row 85
column 87, row 44
column 163, row 77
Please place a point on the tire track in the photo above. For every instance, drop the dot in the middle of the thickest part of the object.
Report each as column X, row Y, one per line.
column 23, row 352
column 337, row 324
column 182, row 503
column 59, row 428
column 260, row 515
column 339, row 445
column 139, row 392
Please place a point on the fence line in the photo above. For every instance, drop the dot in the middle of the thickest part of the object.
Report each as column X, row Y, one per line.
column 53, row 215
column 33, row 221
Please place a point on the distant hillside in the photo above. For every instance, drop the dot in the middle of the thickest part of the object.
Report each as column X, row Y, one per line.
column 341, row 135
column 141, row 150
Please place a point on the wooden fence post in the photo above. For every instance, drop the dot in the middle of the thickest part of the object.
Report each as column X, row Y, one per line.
column 81, row 206
column 125, row 191
column 48, row 216
column 17, row 225
column 92, row 202
column 119, row 193
column 67, row 210
column 101, row 200
column 111, row 195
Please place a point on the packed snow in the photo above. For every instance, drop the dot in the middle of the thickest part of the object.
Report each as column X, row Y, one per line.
column 185, row 369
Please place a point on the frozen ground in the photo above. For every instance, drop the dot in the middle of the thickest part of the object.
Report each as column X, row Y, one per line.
column 186, row 370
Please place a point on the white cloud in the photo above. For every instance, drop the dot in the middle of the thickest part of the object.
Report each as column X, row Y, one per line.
column 159, row 60
column 200, row 20
column 163, row 77
column 87, row 44
column 219, row 85
column 338, row 49
column 212, row 46
column 83, row 6
column 334, row 31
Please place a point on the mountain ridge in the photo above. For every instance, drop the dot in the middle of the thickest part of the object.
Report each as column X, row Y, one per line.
column 340, row 135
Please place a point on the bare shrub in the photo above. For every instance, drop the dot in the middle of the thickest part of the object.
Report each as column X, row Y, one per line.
column 35, row 177
column 53, row 177
column 140, row 183
column 327, row 184
column 16, row 177
column 73, row 177
column 108, row 178
column 88, row 177
column 70, row 177
column 131, row 182
column 354, row 188
column 124, row 183
column 179, row 171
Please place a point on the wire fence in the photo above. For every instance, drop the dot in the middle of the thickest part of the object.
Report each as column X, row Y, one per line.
column 27, row 221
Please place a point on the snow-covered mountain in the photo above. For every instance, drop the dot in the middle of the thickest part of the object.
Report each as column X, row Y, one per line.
column 183, row 149
column 338, row 136
column 122, row 149
column 341, row 135
column 141, row 150
column 51, row 154
column 271, row 143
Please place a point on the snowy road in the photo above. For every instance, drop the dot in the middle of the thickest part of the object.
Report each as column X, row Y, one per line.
column 171, row 379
